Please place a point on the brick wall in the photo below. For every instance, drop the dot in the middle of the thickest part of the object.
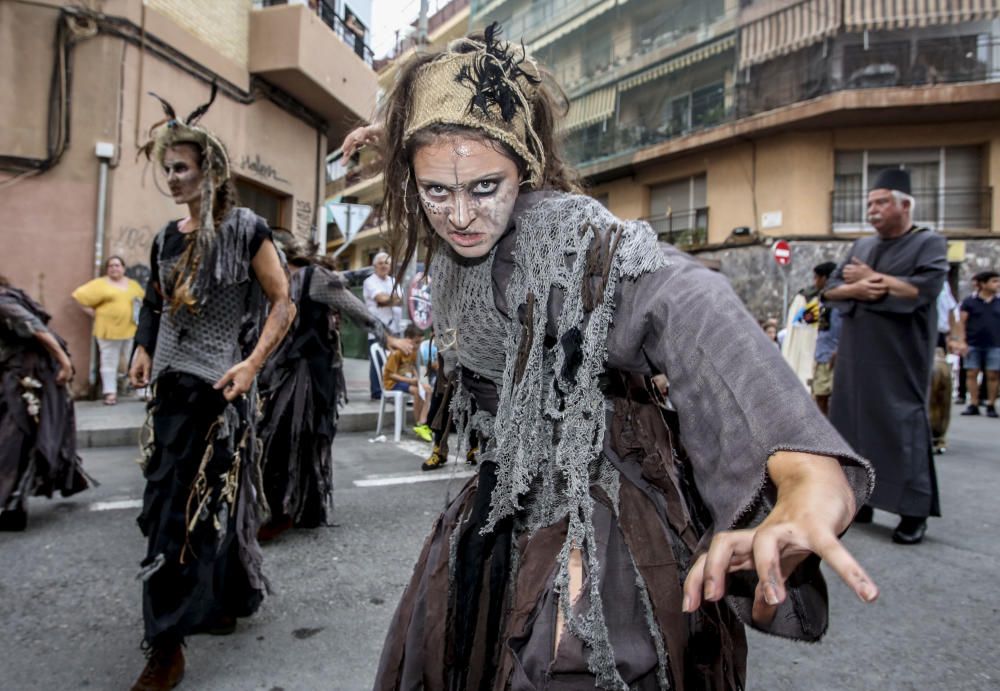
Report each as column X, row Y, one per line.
column 223, row 24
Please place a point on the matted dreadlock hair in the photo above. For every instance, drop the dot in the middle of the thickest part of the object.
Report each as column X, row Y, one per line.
column 502, row 84
column 218, row 193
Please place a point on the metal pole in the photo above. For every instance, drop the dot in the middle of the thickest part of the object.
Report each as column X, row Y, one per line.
column 784, row 296
column 102, row 194
column 422, row 23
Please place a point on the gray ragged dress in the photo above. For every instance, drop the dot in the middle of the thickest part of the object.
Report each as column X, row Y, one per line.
column 556, row 334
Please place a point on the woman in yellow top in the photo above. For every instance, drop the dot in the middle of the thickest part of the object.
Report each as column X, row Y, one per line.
column 110, row 300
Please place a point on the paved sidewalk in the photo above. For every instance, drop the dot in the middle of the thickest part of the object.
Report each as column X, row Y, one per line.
column 99, row 425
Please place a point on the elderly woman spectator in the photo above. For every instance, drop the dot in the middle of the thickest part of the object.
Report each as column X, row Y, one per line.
column 111, row 300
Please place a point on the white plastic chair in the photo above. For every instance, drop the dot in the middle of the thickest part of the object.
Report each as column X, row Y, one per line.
column 398, row 397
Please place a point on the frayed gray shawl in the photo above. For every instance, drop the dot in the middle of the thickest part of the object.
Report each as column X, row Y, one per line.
column 572, row 292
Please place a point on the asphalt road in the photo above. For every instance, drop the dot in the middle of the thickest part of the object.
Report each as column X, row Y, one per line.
column 71, row 614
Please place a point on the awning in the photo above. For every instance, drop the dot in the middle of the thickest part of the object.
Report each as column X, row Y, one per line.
column 873, row 15
column 679, row 62
column 590, row 109
column 789, row 29
column 573, row 24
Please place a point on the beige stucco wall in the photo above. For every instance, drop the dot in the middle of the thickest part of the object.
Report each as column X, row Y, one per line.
column 791, row 173
column 50, row 229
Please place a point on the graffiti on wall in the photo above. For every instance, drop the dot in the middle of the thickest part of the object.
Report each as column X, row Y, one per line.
column 260, row 168
column 303, row 217
column 133, row 243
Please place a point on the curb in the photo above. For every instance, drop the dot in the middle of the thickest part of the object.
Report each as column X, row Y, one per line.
column 350, row 421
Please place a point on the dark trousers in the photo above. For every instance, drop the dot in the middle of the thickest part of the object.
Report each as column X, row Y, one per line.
column 374, row 375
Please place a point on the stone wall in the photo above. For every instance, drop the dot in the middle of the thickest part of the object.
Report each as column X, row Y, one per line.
column 757, row 279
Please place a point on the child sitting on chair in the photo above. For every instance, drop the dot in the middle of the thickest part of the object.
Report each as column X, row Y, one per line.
column 400, row 374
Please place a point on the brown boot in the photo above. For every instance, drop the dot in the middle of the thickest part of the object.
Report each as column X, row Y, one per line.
column 164, row 669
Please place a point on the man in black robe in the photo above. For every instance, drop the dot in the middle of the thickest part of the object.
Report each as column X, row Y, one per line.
column 886, row 290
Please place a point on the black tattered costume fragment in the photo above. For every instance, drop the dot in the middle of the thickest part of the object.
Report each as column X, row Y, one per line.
column 37, row 424
column 202, row 505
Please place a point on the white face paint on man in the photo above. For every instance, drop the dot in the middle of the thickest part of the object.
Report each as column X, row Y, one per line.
column 180, row 165
column 467, row 190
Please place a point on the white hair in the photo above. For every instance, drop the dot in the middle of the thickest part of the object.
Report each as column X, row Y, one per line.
column 380, row 256
column 901, row 197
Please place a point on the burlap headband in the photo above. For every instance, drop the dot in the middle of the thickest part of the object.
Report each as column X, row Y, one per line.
column 486, row 89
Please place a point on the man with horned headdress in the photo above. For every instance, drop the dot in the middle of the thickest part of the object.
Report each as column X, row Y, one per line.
column 200, row 343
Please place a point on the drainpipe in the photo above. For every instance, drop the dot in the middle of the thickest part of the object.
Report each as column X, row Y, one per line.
column 105, row 152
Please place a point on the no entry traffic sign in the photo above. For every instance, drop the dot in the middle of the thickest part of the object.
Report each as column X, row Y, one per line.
column 782, row 252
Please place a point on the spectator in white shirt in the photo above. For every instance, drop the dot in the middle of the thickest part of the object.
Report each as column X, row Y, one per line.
column 384, row 300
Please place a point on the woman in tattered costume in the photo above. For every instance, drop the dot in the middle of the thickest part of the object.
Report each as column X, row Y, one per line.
column 301, row 387
column 599, row 544
column 200, row 343
column 37, row 423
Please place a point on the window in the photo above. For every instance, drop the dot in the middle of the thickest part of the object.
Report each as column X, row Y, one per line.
column 677, row 115
column 597, row 54
column 708, row 105
column 262, row 201
column 678, row 210
column 946, row 183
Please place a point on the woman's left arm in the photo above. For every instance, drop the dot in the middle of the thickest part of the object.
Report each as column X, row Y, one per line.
column 777, row 480
column 271, row 276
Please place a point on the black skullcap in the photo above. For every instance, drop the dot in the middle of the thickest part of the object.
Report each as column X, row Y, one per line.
column 825, row 269
column 895, row 179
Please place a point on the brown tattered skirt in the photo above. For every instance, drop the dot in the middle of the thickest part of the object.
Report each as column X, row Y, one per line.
column 504, row 635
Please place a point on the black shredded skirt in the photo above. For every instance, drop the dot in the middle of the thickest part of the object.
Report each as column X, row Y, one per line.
column 202, row 561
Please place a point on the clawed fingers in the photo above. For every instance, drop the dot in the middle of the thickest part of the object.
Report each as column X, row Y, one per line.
column 767, row 563
column 833, row 552
column 729, row 551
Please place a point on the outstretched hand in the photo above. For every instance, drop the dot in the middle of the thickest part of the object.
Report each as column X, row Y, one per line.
column 812, row 509
column 237, row 381
column 359, row 138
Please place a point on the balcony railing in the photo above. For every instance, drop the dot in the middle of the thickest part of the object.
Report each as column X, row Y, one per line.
column 353, row 175
column 685, row 229
column 900, row 59
column 945, row 210
column 326, row 10
column 671, row 30
column 686, row 114
column 888, row 62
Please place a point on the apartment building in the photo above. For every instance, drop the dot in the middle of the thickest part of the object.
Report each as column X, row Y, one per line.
column 359, row 181
column 293, row 78
column 727, row 121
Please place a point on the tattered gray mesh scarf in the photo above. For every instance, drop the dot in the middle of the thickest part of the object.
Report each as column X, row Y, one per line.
column 549, row 429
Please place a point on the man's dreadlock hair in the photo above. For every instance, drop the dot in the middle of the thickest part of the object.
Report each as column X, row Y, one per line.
column 218, row 193
column 492, row 75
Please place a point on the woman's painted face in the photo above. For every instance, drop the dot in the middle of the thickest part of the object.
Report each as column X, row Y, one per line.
column 467, row 189
column 115, row 269
column 180, row 165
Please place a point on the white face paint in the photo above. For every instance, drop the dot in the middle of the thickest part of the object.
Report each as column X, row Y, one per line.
column 467, row 190
column 180, row 165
